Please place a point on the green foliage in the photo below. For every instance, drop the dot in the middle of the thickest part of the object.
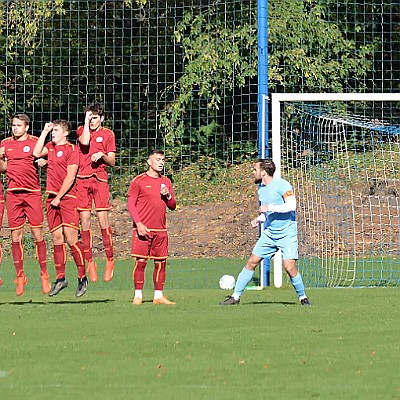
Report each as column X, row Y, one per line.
column 217, row 59
column 310, row 53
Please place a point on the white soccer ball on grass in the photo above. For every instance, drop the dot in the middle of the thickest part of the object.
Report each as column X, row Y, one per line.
column 227, row 282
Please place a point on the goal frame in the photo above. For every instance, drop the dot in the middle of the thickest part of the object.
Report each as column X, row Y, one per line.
column 276, row 101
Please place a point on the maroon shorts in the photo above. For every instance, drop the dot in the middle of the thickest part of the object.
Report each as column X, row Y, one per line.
column 22, row 206
column 66, row 214
column 155, row 246
column 91, row 190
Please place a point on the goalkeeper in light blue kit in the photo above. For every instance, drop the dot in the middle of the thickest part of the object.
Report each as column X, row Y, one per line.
column 278, row 212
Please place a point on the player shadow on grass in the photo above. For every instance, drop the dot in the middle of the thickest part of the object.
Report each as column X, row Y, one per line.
column 283, row 303
column 28, row 302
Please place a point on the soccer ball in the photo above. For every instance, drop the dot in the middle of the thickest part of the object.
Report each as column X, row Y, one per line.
column 227, row 282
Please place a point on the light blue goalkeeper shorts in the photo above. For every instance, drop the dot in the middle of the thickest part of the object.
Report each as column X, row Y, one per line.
column 267, row 246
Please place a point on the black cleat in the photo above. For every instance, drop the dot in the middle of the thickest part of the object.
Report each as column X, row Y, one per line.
column 59, row 285
column 229, row 301
column 305, row 302
column 82, row 286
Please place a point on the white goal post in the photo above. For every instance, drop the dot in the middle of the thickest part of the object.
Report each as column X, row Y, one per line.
column 277, row 100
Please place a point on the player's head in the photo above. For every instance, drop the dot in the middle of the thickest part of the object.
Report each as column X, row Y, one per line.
column 20, row 125
column 156, row 160
column 60, row 132
column 98, row 115
column 262, row 167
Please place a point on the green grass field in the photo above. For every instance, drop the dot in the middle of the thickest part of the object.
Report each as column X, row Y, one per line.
column 346, row 346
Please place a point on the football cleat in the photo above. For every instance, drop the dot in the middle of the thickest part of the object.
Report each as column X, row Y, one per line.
column 163, row 300
column 305, row 302
column 229, row 301
column 137, row 301
column 21, row 282
column 92, row 269
column 82, row 286
column 59, row 285
column 46, row 287
column 109, row 271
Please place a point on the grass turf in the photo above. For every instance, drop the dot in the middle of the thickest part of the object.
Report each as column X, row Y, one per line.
column 101, row 347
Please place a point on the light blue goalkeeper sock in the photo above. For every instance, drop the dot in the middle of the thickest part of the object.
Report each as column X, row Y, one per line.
column 298, row 284
column 243, row 279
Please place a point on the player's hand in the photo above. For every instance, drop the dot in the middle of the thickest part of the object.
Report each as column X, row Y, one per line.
column 88, row 116
column 96, row 156
column 3, row 153
column 142, row 229
column 55, row 202
column 263, row 208
column 165, row 191
column 48, row 127
column 254, row 223
column 41, row 162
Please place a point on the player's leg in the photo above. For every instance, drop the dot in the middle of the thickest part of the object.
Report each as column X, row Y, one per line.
column 17, row 251
column 84, row 205
column 244, row 277
column 159, row 252
column 41, row 256
column 289, row 247
column 60, row 260
column 35, row 216
column 70, row 219
column 264, row 248
column 101, row 196
column 16, row 223
column 140, row 249
column 106, row 234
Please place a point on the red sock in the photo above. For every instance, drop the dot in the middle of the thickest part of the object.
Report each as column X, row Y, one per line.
column 77, row 254
column 60, row 259
column 159, row 274
column 106, row 235
column 18, row 256
column 41, row 255
column 138, row 274
column 87, row 243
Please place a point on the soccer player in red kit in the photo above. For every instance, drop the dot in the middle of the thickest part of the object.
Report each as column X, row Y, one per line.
column 148, row 198
column 1, row 221
column 62, row 214
column 24, row 198
column 97, row 151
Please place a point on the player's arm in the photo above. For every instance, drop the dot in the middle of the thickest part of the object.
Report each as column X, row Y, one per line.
column 3, row 160
column 132, row 197
column 40, row 150
column 168, row 192
column 108, row 158
column 289, row 204
column 84, row 138
column 68, row 181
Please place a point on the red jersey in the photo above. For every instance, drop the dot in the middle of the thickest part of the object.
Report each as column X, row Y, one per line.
column 58, row 159
column 22, row 172
column 145, row 202
column 101, row 140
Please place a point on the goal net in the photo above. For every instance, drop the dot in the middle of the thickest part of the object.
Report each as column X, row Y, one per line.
column 341, row 153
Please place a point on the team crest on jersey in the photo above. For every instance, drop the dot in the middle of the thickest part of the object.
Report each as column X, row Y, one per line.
column 26, row 149
column 99, row 139
column 59, row 153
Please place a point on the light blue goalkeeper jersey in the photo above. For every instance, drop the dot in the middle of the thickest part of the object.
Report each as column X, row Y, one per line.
column 277, row 223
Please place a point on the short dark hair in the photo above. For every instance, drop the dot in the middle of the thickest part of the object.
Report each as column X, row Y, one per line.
column 154, row 151
column 22, row 117
column 95, row 108
column 64, row 123
column 267, row 165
